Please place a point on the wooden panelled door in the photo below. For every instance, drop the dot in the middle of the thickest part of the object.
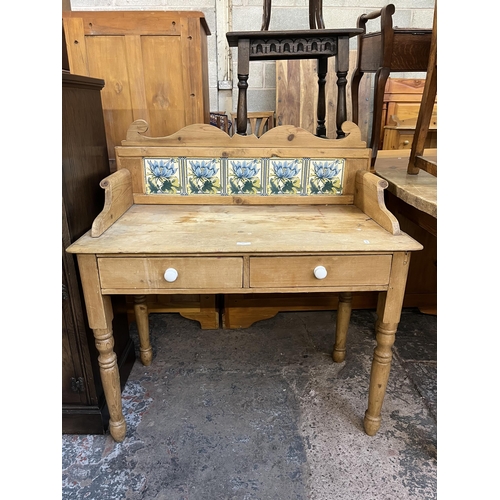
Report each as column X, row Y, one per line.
column 154, row 64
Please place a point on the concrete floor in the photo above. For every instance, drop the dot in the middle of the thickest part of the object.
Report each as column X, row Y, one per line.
column 264, row 413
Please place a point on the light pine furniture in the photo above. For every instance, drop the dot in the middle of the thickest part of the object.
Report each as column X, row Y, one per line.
column 400, row 111
column 201, row 212
column 154, row 65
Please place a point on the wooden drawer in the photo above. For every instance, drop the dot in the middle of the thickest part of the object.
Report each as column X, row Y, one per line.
column 341, row 270
column 395, row 138
column 193, row 272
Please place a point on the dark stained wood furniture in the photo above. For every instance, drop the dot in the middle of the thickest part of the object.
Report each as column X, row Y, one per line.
column 315, row 15
column 258, row 122
column 319, row 44
column 84, row 163
column 382, row 52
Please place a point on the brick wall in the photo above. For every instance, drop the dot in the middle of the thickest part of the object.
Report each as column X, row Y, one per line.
column 246, row 15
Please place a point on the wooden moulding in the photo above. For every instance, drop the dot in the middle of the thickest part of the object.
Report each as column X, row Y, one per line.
column 117, row 200
column 293, row 137
column 153, row 22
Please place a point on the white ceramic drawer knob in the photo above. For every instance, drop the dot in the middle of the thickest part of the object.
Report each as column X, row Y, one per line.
column 171, row 274
column 320, row 272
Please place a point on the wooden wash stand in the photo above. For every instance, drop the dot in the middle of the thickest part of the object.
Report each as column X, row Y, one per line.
column 202, row 212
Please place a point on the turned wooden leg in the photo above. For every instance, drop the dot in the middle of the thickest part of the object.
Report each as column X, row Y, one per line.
column 381, row 366
column 341, row 68
column 110, row 377
column 321, row 109
column 142, row 321
column 388, row 315
column 243, row 72
column 343, row 318
column 100, row 317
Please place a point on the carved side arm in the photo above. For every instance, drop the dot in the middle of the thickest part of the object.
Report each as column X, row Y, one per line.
column 385, row 13
column 369, row 197
column 118, row 199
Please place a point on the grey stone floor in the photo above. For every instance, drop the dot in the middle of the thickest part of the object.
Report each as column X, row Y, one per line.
column 263, row 413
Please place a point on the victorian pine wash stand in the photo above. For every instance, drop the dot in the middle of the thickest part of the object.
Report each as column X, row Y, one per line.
column 202, row 212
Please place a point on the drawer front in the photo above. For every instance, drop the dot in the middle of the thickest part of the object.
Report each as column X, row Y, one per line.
column 193, row 272
column 273, row 272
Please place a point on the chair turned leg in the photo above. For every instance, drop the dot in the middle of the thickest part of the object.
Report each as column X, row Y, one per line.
column 356, row 79
column 343, row 318
column 266, row 15
column 316, row 15
column 142, row 320
column 381, row 77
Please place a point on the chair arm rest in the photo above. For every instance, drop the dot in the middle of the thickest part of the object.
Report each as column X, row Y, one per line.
column 384, row 12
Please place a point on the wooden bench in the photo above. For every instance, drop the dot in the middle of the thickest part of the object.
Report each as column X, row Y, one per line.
column 201, row 212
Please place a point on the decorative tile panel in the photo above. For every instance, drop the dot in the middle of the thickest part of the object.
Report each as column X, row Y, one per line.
column 203, row 175
column 325, row 176
column 285, row 176
column 162, row 176
column 244, row 176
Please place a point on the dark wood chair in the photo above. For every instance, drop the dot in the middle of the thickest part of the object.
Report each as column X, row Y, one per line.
column 316, row 43
column 382, row 52
column 258, row 121
column 315, row 15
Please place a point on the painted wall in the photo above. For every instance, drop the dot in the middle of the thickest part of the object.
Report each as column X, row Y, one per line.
column 246, row 15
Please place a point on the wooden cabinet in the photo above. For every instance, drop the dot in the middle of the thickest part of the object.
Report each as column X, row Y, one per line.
column 84, row 164
column 402, row 99
column 154, row 65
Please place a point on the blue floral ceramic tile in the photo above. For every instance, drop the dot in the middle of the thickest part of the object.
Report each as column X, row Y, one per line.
column 326, row 176
column 245, row 176
column 162, row 175
column 285, row 176
column 203, row 175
